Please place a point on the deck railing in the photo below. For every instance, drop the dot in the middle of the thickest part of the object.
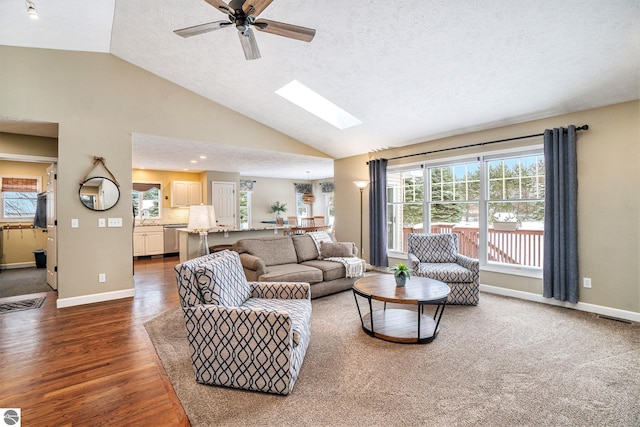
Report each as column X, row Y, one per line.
column 522, row 247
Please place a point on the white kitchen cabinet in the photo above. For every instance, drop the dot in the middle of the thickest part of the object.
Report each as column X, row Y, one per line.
column 148, row 240
column 185, row 193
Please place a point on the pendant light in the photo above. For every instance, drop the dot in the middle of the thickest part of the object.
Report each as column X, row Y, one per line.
column 308, row 198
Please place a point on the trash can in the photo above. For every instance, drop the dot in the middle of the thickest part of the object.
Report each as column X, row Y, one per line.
column 41, row 258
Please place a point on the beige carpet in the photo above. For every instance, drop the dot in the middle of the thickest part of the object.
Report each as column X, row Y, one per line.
column 505, row 362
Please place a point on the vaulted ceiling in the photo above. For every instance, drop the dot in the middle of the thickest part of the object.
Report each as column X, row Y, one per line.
column 410, row 70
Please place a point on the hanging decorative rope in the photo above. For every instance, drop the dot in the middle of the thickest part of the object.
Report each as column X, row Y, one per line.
column 97, row 160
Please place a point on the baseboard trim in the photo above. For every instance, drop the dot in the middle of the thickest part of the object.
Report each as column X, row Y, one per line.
column 93, row 298
column 17, row 265
column 582, row 306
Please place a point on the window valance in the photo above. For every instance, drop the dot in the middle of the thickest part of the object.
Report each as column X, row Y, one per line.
column 143, row 186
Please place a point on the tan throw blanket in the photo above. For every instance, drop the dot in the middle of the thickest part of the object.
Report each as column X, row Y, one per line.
column 355, row 267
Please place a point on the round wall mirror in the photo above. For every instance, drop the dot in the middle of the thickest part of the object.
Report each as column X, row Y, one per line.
column 99, row 193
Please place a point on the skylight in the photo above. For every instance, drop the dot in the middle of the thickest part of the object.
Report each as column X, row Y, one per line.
column 317, row 105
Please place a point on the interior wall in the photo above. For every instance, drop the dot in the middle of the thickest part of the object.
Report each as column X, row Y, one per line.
column 608, row 198
column 266, row 191
column 27, row 145
column 98, row 101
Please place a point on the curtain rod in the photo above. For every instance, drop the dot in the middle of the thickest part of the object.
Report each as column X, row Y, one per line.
column 479, row 144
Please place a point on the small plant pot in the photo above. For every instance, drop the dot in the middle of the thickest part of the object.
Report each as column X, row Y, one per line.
column 401, row 280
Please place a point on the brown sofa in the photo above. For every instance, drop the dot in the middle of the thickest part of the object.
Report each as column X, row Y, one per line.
column 293, row 259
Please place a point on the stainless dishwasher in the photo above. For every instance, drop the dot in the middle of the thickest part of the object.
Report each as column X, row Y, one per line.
column 171, row 238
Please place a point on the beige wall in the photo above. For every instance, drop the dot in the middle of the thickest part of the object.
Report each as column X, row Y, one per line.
column 266, row 191
column 98, row 101
column 608, row 199
column 27, row 145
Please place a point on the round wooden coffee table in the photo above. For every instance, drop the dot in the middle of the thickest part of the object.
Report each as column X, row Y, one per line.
column 397, row 324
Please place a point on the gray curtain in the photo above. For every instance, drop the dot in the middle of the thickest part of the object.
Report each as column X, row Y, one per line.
column 378, row 213
column 560, row 272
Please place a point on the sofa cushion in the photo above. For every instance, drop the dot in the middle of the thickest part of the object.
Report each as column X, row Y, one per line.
column 445, row 272
column 274, row 250
column 305, row 247
column 434, row 247
column 291, row 273
column 338, row 249
column 331, row 270
column 222, row 281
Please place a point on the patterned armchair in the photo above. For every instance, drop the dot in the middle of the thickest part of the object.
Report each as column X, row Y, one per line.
column 247, row 335
column 436, row 256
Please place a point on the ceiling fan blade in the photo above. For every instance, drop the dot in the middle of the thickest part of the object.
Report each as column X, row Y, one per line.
column 255, row 7
column 202, row 28
column 249, row 44
column 221, row 6
column 285, row 30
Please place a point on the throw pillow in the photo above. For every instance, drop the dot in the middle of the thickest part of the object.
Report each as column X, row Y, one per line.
column 222, row 281
column 339, row 249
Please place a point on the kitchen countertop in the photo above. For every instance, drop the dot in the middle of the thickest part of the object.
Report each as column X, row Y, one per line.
column 233, row 229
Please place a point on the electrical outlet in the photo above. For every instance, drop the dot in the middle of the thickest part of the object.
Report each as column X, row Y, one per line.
column 102, row 277
column 586, row 282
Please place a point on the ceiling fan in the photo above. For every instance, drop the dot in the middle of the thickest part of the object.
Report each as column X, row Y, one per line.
column 243, row 13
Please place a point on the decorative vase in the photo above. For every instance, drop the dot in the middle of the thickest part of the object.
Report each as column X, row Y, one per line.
column 401, row 279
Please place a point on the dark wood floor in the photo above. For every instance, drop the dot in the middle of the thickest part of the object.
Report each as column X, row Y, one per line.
column 92, row 364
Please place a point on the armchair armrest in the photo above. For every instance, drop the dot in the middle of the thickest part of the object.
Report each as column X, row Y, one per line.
column 470, row 264
column 280, row 290
column 413, row 261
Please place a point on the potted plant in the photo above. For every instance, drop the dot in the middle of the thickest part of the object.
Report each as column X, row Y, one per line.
column 506, row 221
column 401, row 273
column 278, row 208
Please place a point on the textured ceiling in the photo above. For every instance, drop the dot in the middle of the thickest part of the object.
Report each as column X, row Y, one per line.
column 411, row 70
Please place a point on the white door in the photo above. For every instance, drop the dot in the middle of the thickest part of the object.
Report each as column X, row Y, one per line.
column 224, row 202
column 52, row 253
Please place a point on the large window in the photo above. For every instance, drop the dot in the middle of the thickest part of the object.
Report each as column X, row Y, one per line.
column 495, row 204
column 146, row 199
column 19, row 196
column 302, row 210
column 515, row 210
column 245, row 209
column 405, row 199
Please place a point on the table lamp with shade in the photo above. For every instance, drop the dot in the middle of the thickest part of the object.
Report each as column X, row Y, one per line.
column 201, row 219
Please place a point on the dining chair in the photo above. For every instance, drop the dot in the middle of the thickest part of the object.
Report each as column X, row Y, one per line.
column 307, row 222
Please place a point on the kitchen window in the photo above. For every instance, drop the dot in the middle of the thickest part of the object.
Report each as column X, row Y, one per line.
column 146, row 199
column 19, row 196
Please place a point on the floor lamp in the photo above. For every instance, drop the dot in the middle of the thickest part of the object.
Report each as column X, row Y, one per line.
column 201, row 219
column 361, row 186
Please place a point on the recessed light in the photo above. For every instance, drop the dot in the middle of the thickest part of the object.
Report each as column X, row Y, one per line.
column 194, row 161
column 203, row 157
column 317, row 105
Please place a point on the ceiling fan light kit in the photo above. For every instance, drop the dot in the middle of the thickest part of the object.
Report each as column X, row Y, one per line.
column 243, row 14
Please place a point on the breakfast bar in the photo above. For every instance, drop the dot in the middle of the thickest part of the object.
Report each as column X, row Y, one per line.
column 189, row 240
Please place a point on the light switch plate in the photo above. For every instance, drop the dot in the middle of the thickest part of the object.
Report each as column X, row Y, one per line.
column 115, row 222
column 74, row 223
column 102, row 222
